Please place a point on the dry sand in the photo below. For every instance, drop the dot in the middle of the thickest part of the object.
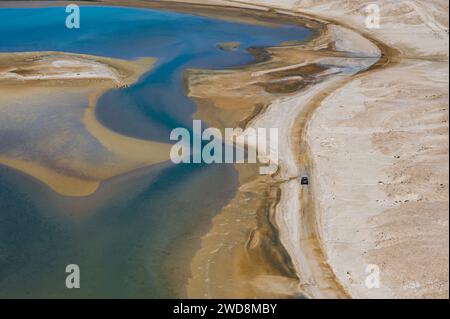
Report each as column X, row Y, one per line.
column 258, row 94
column 382, row 180
column 370, row 204
column 376, row 151
column 380, row 153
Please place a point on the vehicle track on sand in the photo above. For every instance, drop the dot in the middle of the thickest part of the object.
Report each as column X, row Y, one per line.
column 322, row 282
column 317, row 278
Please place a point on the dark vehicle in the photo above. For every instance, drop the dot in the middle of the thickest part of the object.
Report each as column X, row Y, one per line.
column 304, row 181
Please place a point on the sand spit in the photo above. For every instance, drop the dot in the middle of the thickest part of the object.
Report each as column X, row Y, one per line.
column 67, row 68
column 62, row 68
column 39, row 87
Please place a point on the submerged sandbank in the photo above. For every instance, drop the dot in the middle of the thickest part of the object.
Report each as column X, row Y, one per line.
column 338, row 241
column 161, row 213
column 48, row 77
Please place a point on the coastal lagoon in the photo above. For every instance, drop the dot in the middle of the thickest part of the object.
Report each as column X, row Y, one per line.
column 127, row 236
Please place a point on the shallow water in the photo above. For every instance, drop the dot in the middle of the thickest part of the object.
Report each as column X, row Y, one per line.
column 122, row 236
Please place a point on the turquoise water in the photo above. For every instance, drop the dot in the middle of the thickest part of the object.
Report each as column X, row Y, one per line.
column 124, row 240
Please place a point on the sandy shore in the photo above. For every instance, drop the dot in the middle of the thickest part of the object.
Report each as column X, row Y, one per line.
column 368, row 205
column 379, row 147
column 223, row 98
column 374, row 143
column 381, row 158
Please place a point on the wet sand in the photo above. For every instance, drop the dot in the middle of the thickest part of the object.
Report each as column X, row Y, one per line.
column 263, row 256
column 89, row 116
column 313, row 236
column 280, row 224
column 371, row 206
column 263, row 262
